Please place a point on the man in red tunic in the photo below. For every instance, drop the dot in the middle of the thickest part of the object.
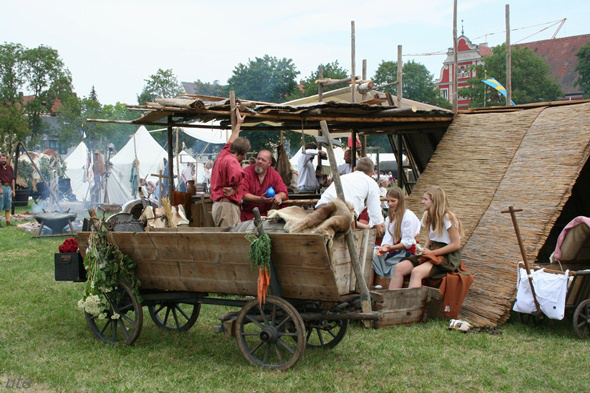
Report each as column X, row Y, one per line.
column 258, row 178
column 6, row 186
column 226, row 178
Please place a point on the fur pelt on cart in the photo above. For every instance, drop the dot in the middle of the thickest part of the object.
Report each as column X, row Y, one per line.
column 331, row 219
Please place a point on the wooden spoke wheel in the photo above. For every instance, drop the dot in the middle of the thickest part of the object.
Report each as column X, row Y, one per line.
column 271, row 335
column 122, row 318
column 325, row 334
column 582, row 320
column 171, row 315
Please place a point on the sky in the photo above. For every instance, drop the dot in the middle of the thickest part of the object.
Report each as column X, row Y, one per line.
column 115, row 45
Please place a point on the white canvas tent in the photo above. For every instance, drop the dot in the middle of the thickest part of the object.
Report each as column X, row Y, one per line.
column 75, row 166
column 209, row 135
column 150, row 155
column 184, row 159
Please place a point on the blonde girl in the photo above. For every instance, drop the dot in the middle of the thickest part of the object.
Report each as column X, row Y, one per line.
column 401, row 228
column 444, row 240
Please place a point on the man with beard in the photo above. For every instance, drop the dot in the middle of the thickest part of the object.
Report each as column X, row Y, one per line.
column 258, row 178
column 7, row 186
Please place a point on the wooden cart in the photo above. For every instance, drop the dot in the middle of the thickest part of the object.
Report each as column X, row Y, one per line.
column 180, row 269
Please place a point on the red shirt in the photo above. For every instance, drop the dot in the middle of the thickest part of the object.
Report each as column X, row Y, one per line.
column 252, row 185
column 6, row 174
column 226, row 172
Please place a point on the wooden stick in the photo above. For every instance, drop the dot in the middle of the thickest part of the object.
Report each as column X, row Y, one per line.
column 455, row 60
column 508, row 59
column 400, row 73
column 512, row 210
column 364, row 76
column 360, row 279
column 352, row 65
column 170, row 161
column 321, row 85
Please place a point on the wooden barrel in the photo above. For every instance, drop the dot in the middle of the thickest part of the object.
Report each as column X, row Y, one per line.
column 21, row 197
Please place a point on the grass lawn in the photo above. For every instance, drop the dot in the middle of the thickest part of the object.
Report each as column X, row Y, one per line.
column 44, row 338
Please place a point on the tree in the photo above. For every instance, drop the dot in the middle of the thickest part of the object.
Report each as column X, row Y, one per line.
column 211, row 89
column 48, row 80
column 308, row 86
column 162, row 84
column 13, row 122
column 418, row 82
column 264, row 79
column 74, row 127
column 530, row 79
column 583, row 69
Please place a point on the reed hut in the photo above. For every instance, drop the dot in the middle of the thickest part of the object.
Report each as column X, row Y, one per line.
column 532, row 157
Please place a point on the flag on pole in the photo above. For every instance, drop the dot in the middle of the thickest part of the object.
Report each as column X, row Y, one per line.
column 496, row 85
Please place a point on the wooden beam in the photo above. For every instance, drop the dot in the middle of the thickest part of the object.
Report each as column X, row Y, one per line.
column 400, row 85
column 352, row 64
column 508, row 59
column 454, row 72
column 170, row 162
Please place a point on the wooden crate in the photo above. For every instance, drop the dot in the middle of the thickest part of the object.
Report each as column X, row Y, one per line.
column 405, row 306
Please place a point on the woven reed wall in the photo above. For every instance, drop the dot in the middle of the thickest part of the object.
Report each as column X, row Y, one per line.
column 539, row 180
column 486, row 162
column 470, row 161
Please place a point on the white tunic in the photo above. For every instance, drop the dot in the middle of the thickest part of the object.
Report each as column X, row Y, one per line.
column 362, row 191
column 409, row 230
column 444, row 237
column 307, row 179
column 344, row 169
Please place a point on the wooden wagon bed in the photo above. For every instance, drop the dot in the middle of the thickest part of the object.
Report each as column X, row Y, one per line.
column 212, row 260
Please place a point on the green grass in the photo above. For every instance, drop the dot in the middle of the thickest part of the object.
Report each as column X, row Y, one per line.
column 43, row 336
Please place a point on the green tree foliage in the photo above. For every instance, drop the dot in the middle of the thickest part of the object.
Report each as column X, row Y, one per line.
column 13, row 122
column 309, row 86
column 211, row 89
column 530, row 79
column 418, row 82
column 583, row 69
column 47, row 80
column 162, row 84
column 38, row 72
column 264, row 79
column 74, row 127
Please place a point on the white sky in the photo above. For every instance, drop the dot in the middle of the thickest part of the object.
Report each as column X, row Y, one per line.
column 116, row 44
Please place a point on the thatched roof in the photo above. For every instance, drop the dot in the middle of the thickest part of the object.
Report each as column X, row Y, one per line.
column 529, row 159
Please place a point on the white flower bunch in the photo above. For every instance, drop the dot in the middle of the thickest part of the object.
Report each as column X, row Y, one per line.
column 92, row 305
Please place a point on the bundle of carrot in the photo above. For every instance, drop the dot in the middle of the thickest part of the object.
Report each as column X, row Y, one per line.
column 260, row 249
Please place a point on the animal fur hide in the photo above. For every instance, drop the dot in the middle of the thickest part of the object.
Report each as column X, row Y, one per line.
column 334, row 218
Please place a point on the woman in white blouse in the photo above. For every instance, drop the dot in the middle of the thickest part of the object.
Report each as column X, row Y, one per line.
column 399, row 242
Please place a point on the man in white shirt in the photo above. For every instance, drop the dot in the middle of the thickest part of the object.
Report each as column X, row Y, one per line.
column 360, row 189
column 347, row 166
column 307, row 180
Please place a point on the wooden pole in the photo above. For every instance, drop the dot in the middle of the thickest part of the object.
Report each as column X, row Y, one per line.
column 232, row 104
column 512, row 210
column 320, row 85
column 170, row 162
column 350, row 242
column 352, row 64
column 508, row 59
column 177, row 163
column 455, row 60
column 364, row 77
column 399, row 76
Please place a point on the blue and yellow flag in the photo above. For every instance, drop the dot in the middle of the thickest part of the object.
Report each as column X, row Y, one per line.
column 496, row 85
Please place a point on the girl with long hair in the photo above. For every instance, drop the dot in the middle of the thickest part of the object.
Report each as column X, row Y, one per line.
column 401, row 228
column 442, row 252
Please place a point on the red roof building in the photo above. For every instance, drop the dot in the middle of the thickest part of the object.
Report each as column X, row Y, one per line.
column 560, row 54
column 468, row 54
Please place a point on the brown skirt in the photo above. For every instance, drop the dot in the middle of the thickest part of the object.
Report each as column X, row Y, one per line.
column 451, row 262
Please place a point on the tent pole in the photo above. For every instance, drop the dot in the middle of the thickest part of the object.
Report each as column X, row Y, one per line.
column 177, row 162
column 170, row 162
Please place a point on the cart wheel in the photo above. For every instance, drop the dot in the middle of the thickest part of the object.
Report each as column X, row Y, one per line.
column 531, row 319
column 262, row 332
column 582, row 320
column 171, row 315
column 325, row 334
column 124, row 329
